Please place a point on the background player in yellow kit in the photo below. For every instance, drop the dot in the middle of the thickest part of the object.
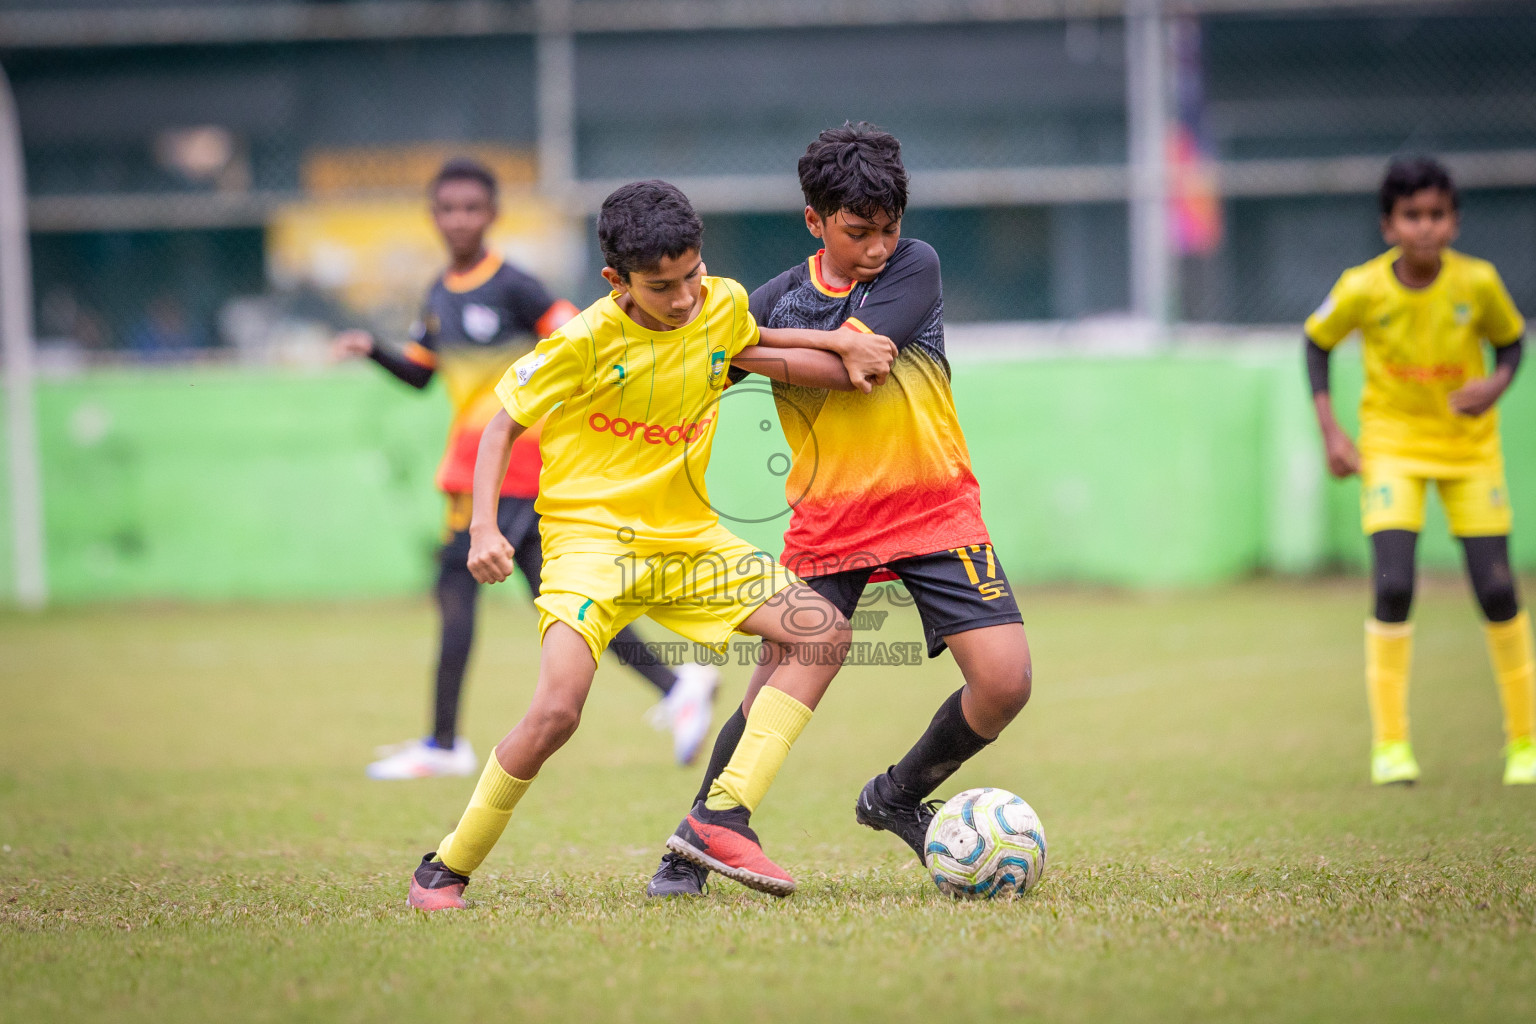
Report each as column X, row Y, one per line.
column 480, row 315
column 1423, row 311
column 630, row 388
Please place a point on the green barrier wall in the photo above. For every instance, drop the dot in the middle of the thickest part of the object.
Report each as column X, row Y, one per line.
column 223, row 484
column 1185, row 468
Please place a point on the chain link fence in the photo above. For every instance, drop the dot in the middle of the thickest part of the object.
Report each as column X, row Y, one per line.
column 182, row 195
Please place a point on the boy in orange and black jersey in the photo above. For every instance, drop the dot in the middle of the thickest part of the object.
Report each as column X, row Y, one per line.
column 480, row 316
column 881, row 481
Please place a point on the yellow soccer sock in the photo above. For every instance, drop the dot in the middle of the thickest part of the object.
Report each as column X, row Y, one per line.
column 1388, row 654
column 773, row 725
column 484, row 819
column 1514, row 666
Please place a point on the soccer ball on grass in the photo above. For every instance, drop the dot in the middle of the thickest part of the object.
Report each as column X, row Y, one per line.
column 986, row 843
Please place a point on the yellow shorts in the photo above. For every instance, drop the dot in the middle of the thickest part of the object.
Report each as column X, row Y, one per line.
column 703, row 590
column 1476, row 505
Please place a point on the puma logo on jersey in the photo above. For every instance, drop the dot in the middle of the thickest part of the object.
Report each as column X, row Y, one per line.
column 525, row 372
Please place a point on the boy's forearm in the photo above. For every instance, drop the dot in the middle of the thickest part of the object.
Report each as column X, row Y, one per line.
column 1506, row 361
column 1322, row 405
column 806, row 367
column 804, row 337
column 412, row 373
column 1503, row 377
column 491, row 467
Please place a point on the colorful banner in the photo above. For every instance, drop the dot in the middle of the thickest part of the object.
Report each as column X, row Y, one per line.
column 1195, row 191
column 378, row 256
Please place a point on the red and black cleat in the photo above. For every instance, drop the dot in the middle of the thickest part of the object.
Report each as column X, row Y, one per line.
column 435, row 886
column 723, row 842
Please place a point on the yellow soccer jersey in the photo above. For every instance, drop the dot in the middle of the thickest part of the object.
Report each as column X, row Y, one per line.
column 1420, row 345
column 631, row 418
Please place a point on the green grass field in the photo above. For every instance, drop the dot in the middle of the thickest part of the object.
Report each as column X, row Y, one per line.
column 187, row 832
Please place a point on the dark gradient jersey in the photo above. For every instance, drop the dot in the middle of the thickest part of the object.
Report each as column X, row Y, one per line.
column 472, row 327
column 888, row 473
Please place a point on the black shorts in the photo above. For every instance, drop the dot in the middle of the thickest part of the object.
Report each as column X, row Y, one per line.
column 955, row 591
column 519, row 523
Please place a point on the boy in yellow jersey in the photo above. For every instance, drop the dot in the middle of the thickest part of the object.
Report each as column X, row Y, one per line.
column 630, row 390
column 479, row 316
column 1423, row 311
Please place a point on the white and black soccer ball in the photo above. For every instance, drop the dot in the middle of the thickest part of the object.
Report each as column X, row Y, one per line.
column 984, row 844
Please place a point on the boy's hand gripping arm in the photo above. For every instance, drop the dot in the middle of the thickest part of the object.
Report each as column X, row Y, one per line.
column 866, row 358
column 490, row 553
column 1343, row 457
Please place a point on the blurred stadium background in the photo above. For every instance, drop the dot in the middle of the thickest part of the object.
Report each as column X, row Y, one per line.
column 1136, row 204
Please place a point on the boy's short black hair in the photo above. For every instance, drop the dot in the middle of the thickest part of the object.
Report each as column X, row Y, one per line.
column 463, row 168
column 1415, row 174
column 644, row 222
column 856, row 167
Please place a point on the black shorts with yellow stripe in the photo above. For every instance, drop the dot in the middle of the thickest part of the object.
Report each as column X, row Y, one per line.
column 955, row 591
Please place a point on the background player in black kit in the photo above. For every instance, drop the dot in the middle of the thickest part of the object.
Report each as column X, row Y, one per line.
column 480, row 315
column 885, row 477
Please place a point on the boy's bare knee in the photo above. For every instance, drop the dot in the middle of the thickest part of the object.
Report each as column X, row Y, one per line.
column 1025, row 683
column 1009, row 690
column 1022, row 686
column 833, row 641
column 555, row 724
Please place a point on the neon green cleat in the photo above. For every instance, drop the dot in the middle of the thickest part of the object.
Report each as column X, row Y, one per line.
column 1393, row 763
column 1520, row 763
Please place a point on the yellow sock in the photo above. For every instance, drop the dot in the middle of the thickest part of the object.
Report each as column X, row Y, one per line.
column 773, row 725
column 1514, row 666
column 1388, row 653
column 484, row 819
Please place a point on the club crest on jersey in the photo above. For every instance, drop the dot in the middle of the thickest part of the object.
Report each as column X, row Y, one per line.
column 1463, row 313
column 525, row 371
column 481, row 323
column 717, row 367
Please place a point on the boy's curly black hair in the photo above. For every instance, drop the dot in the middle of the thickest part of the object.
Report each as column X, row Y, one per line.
column 643, row 222
column 1415, row 174
column 463, row 168
column 855, row 167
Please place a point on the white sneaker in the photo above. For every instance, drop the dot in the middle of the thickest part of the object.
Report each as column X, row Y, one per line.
column 387, row 749
column 418, row 759
column 688, row 710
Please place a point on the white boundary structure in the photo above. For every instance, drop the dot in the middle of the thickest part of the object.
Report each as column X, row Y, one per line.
column 1146, row 109
column 16, row 338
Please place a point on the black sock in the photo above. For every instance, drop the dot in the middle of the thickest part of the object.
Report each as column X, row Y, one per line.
column 456, row 592
column 725, row 745
column 626, row 643
column 948, row 742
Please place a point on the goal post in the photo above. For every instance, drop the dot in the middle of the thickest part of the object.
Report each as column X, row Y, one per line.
column 31, row 580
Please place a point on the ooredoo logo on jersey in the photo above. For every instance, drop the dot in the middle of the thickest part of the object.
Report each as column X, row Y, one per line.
column 650, row 433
